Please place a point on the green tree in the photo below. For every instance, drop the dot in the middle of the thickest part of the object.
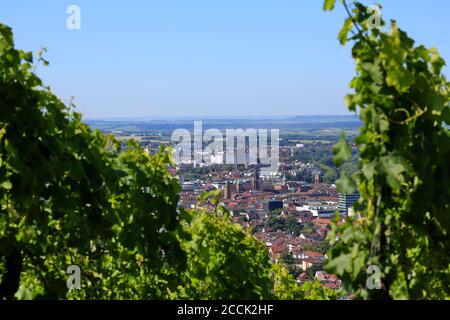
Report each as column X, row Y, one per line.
column 404, row 167
column 286, row 289
column 70, row 195
column 289, row 261
column 284, row 223
column 329, row 174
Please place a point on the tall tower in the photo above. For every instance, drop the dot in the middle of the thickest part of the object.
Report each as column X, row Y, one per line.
column 256, row 185
column 227, row 192
column 316, row 176
column 246, row 159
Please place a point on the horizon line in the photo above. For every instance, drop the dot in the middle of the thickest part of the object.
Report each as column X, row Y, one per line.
column 216, row 117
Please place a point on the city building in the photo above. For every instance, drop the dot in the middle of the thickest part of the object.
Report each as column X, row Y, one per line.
column 272, row 205
column 346, row 202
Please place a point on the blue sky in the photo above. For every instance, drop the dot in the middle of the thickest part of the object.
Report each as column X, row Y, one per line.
column 153, row 58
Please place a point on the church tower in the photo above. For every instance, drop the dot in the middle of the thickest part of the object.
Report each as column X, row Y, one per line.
column 256, row 185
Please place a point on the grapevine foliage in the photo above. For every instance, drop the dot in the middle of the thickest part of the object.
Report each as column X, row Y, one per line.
column 70, row 195
column 403, row 220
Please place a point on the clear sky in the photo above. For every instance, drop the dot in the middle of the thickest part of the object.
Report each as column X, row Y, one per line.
column 152, row 58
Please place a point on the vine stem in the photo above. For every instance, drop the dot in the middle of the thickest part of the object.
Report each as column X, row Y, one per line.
column 355, row 23
column 351, row 16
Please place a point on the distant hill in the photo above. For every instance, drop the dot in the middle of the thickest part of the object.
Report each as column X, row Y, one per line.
column 305, row 123
column 325, row 119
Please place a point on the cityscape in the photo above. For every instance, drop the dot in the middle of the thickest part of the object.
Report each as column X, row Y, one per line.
column 290, row 209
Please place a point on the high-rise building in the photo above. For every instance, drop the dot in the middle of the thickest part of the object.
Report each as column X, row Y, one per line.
column 346, row 201
column 272, row 205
